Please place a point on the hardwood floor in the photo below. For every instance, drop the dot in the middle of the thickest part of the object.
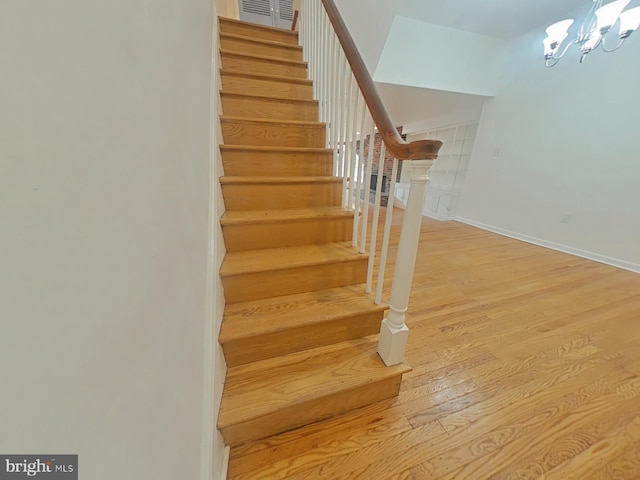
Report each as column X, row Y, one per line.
column 526, row 364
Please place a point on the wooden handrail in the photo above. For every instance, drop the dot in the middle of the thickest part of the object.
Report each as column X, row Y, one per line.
column 420, row 149
column 294, row 23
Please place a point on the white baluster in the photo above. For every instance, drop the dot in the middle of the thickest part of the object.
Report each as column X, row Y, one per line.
column 345, row 144
column 302, row 30
column 367, row 190
column 352, row 149
column 326, row 40
column 376, row 216
column 333, row 72
column 360, row 156
column 323, row 61
column 316, row 49
column 317, row 81
column 329, row 87
column 312, row 63
column 335, row 91
column 342, row 93
column 387, row 233
column 327, row 72
column 394, row 332
column 308, row 30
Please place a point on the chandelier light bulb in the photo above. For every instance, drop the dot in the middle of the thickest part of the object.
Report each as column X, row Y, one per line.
column 548, row 47
column 559, row 30
column 629, row 21
column 608, row 14
column 556, row 34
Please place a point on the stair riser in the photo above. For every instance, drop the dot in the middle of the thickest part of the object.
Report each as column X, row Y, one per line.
column 254, row 286
column 278, row 196
column 253, row 65
column 271, row 345
column 272, row 135
column 268, row 109
column 311, row 411
column 257, row 48
column 238, row 163
column 258, row 86
column 257, row 32
column 256, row 236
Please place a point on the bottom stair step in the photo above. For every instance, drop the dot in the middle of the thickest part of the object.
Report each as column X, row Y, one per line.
column 266, row 328
column 275, row 395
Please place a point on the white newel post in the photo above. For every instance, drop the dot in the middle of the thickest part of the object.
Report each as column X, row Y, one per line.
column 394, row 332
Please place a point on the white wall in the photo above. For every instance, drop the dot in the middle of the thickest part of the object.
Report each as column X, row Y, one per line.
column 221, row 455
column 369, row 26
column 426, row 55
column 423, row 109
column 104, row 233
column 456, row 116
column 562, row 141
column 220, row 452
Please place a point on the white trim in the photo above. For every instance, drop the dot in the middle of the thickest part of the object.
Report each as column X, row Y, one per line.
column 225, row 463
column 235, row 8
column 615, row 262
column 209, row 415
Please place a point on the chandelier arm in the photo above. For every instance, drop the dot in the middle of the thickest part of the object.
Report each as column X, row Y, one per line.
column 589, row 23
column 604, row 45
column 556, row 58
column 549, row 65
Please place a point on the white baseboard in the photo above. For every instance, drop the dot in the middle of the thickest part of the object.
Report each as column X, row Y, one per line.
column 225, row 463
column 615, row 262
column 435, row 217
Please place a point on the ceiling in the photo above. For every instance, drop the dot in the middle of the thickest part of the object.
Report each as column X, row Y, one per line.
column 497, row 18
column 505, row 19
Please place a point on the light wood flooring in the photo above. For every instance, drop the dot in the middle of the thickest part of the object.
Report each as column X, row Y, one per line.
column 526, row 365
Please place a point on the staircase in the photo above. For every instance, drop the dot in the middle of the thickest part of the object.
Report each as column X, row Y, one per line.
column 299, row 334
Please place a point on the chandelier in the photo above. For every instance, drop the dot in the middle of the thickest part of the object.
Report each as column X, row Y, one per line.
column 593, row 32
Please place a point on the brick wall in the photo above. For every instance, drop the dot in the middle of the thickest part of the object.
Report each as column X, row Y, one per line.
column 386, row 167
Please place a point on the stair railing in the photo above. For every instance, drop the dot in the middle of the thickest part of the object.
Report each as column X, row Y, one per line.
column 351, row 106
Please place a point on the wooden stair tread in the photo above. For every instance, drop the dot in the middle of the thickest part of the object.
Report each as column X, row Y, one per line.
column 267, row 122
column 257, row 96
column 283, row 45
column 272, row 161
column 268, row 58
column 271, row 259
column 261, row 61
column 246, row 42
column 246, row 179
column 291, row 311
column 258, row 148
column 259, row 388
column 270, row 226
column 240, row 217
column 265, row 76
column 259, row 132
column 258, row 26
